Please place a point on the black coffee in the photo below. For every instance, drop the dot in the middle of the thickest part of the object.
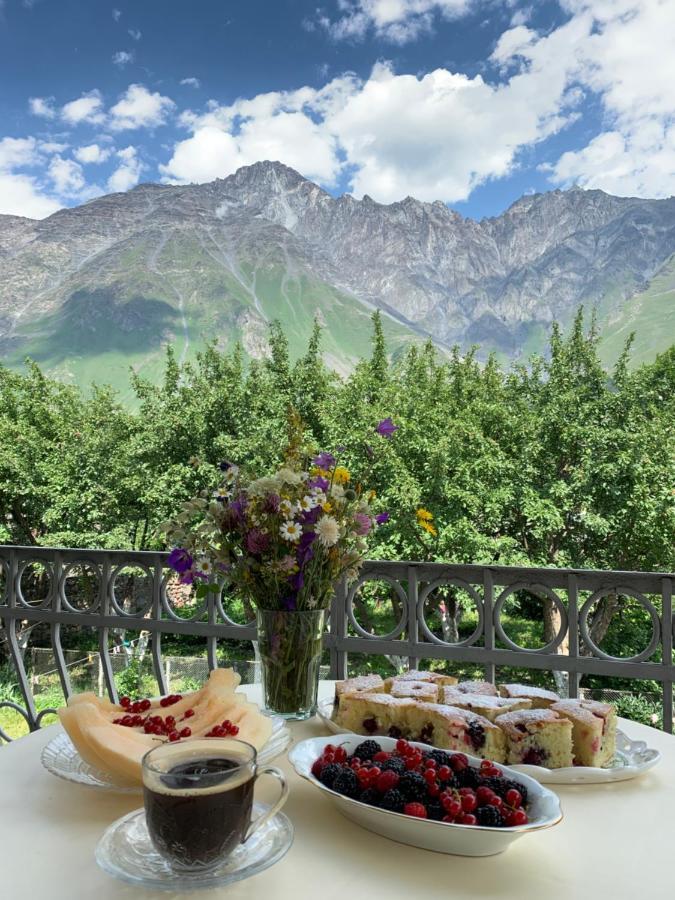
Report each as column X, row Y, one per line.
column 200, row 810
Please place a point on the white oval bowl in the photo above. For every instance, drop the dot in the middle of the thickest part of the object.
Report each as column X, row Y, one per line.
column 443, row 837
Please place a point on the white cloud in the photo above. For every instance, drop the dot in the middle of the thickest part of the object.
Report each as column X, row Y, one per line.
column 42, row 106
column 135, row 34
column 116, row 14
column 127, row 173
column 623, row 54
column 21, row 194
column 398, row 21
column 139, row 108
column 87, row 108
column 191, row 82
column 92, row 153
column 67, row 176
column 122, row 58
column 52, row 147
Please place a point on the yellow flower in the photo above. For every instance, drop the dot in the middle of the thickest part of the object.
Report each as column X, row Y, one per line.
column 428, row 527
column 341, row 475
column 423, row 515
column 322, row 473
column 327, row 507
column 371, row 495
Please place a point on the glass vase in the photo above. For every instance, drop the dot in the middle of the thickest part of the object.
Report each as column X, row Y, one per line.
column 290, row 644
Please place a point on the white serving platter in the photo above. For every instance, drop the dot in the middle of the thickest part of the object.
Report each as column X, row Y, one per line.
column 442, row 837
column 60, row 757
column 632, row 758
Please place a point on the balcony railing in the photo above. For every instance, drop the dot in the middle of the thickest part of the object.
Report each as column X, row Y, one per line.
column 573, row 593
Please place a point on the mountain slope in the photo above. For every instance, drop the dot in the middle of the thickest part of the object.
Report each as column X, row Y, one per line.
column 91, row 290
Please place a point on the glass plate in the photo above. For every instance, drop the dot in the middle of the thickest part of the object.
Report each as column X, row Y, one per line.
column 632, row 758
column 126, row 852
column 62, row 759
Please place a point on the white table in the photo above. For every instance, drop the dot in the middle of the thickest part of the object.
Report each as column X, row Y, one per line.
column 615, row 842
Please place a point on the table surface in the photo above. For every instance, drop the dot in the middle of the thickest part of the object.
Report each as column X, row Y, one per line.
column 615, row 840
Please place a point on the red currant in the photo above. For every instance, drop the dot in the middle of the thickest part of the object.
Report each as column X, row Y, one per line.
column 518, row 817
column 433, row 790
column 484, row 795
column 469, row 802
column 185, row 732
column 174, row 736
column 467, row 819
column 513, row 798
column 125, row 702
column 340, row 755
column 429, row 776
column 188, row 714
column 317, row 766
column 445, row 773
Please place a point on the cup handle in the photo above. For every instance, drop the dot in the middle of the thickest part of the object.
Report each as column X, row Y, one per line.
column 281, row 778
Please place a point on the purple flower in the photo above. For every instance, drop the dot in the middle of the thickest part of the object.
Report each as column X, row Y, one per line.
column 324, row 460
column 363, row 523
column 382, row 518
column 238, row 508
column 305, row 550
column 311, row 516
column 386, row 428
column 180, row 560
column 271, row 504
column 187, row 578
column 257, row 541
column 297, row 582
column 320, row 483
column 289, row 603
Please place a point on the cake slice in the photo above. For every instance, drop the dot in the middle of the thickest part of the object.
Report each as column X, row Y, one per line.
column 419, row 675
column 593, row 730
column 449, row 728
column 537, row 737
column 482, row 704
column 374, row 714
column 426, row 691
column 539, row 697
column 370, row 684
column 477, row 687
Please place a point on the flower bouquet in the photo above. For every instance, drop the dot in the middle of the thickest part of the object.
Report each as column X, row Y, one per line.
column 283, row 541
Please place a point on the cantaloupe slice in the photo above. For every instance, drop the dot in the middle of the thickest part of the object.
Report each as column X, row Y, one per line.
column 118, row 750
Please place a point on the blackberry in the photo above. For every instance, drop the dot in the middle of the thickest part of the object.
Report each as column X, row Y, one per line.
column 442, row 758
column 435, row 812
column 371, row 797
column 490, row 816
column 347, row 784
column 367, row 750
column 516, row 785
column 413, row 786
column 468, row 777
column 495, row 784
column 476, row 734
column 329, row 773
column 395, row 764
column 393, row 800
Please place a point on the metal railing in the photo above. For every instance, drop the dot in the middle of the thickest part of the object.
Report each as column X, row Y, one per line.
column 159, row 610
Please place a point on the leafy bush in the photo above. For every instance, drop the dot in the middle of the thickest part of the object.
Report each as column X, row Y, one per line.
column 640, row 709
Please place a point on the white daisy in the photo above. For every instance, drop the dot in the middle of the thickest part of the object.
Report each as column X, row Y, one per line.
column 337, row 492
column 307, row 503
column 327, row 531
column 286, row 508
column 222, row 493
column 204, row 567
column 291, row 531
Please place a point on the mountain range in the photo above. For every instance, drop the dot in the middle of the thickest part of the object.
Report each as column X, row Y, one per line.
column 94, row 289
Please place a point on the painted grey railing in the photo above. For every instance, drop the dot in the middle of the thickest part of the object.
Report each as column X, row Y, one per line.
column 573, row 593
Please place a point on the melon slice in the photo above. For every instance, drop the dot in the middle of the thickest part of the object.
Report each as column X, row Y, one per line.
column 118, row 750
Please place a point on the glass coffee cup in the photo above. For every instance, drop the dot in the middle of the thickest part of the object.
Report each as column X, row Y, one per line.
column 198, row 798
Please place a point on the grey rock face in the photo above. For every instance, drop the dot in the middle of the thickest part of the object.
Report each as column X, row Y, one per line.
column 435, row 272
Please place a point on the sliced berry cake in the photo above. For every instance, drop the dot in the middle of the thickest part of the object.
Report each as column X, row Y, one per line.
column 369, row 684
column 482, row 704
column 374, row 714
column 537, row 737
column 477, row 687
column 539, row 697
column 593, row 730
column 450, row 728
column 426, row 691
column 419, row 675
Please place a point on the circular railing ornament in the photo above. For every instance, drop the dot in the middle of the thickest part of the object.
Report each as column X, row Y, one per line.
column 646, row 604
column 114, row 600
column 462, row 585
column 45, row 602
column 398, row 629
column 63, row 582
column 541, row 591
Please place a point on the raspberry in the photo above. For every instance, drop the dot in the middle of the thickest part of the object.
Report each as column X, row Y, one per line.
column 347, row 784
column 393, row 801
column 415, row 809
column 317, row 766
column 370, row 797
column 329, row 773
column 367, row 749
column 458, row 761
column 489, row 816
column 394, row 764
column 381, row 757
column 386, row 781
column 412, row 786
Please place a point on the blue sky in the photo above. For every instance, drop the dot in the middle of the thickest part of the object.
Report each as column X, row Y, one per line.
column 472, row 102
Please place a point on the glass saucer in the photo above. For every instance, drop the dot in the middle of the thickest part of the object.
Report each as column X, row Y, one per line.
column 126, row 852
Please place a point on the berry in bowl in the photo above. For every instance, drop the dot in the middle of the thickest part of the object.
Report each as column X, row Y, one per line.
column 433, row 799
